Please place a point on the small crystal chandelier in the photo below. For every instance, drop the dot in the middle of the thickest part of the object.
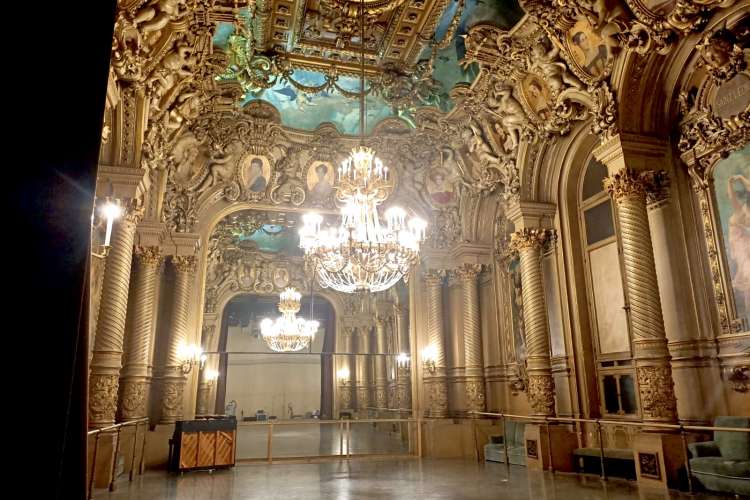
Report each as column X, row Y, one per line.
column 288, row 333
column 361, row 255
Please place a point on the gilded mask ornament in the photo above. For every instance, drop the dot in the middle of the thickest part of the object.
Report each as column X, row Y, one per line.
column 721, row 55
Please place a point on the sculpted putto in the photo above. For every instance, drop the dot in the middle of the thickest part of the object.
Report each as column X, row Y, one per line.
column 513, row 118
column 155, row 14
column 555, row 72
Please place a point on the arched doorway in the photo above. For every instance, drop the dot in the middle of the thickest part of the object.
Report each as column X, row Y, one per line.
column 271, row 384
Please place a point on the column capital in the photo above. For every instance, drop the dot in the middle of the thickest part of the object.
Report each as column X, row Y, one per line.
column 185, row 263
column 148, row 255
column 468, row 272
column 434, row 277
column 527, row 238
column 629, row 183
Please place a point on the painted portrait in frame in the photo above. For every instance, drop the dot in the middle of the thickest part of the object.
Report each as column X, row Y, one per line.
column 587, row 48
column 536, row 93
column 320, row 179
column 255, row 172
column 732, row 190
column 441, row 188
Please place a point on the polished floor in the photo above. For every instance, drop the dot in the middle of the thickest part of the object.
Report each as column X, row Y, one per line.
column 379, row 479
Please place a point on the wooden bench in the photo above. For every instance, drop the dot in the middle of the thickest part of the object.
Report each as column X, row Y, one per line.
column 618, row 462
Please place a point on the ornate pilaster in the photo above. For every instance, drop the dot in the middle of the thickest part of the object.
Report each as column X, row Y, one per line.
column 173, row 380
column 364, row 380
column 529, row 243
column 135, row 380
column 475, row 397
column 110, row 329
column 381, row 368
column 435, row 382
column 629, row 189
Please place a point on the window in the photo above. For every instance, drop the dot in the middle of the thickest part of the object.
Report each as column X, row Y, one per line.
column 606, row 296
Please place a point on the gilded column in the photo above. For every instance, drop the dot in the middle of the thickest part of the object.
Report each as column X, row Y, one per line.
column 381, row 368
column 204, row 391
column 363, row 369
column 435, row 381
column 106, row 358
column 474, row 369
column 135, row 380
column 653, row 371
column 346, row 382
column 173, row 380
column 529, row 243
column 403, row 374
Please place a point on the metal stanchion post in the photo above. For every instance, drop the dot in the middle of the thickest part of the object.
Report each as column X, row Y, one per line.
column 93, row 463
column 686, row 456
column 132, row 459
column 114, row 461
column 505, row 451
column 601, row 449
column 549, row 446
column 143, row 451
column 341, row 438
column 348, row 439
column 269, row 453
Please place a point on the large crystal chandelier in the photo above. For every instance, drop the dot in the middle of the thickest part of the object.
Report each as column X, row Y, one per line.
column 361, row 255
column 288, row 333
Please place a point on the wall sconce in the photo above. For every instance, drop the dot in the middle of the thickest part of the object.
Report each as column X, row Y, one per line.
column 429, row 358
column 110, row 211
column 343, row 375
column 210, row 376
column 403, row 360
column 191, row 355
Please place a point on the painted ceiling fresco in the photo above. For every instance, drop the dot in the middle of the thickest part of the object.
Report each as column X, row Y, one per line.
column 273, row 238
column 304, row 62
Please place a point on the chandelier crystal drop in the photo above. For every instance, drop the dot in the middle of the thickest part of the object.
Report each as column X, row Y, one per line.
column 361, row 255
column 288, row 333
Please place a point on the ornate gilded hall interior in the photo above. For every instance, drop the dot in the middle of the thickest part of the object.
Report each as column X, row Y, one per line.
column 415, row 246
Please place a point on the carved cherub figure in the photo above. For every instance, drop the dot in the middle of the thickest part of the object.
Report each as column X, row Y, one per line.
column 555, row 72
column 176, row 66
column 155, row 14
column 220, row 167
column 512, row 116
column 603, row 16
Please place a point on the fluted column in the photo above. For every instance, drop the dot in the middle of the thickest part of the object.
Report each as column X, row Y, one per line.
column 381, row 368
column 656, row 387
column 173, row 380
column 474, row 369
column 204, row 391
column 364, row 381
column 529, row 243
column 135, row 380
column 346, row 384
column 106, row 360
column 435, row 381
